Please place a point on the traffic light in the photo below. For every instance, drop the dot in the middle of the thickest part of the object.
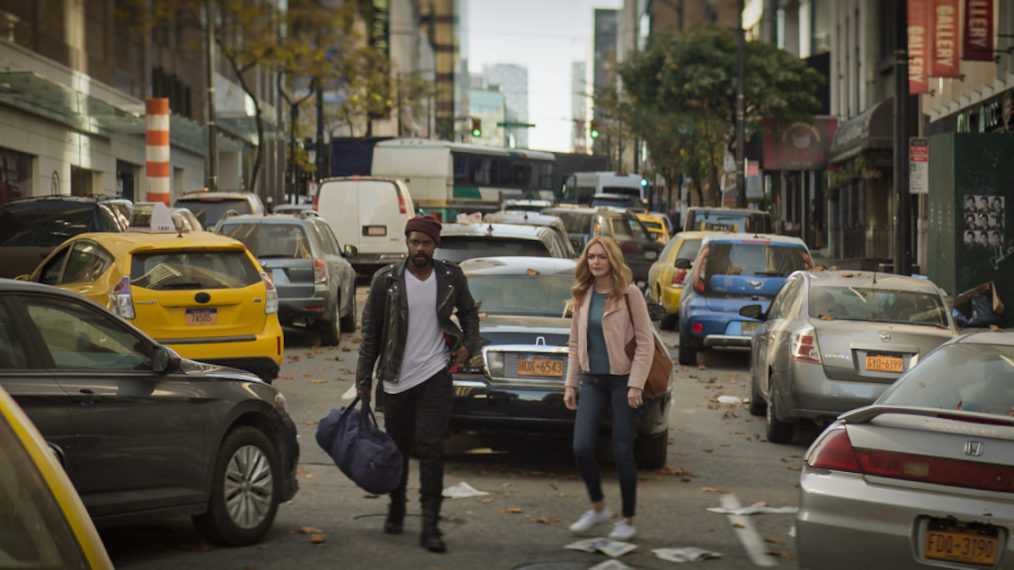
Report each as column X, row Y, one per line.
column 644, row 183
column 476, row 127
column 594, row 128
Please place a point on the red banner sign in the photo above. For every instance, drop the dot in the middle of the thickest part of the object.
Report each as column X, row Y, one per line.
column 798, row 145
column 945, row 39
column 918, row 46
column 978, row 39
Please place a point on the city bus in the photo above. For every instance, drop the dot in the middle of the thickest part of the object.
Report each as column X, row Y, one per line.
column 447, row 178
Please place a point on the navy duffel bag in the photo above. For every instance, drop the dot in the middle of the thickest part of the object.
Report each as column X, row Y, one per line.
column 360, row 449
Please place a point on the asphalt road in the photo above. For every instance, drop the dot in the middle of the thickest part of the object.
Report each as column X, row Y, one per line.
column 718, row 458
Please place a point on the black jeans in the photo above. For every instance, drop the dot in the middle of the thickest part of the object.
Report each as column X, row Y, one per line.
column 420, row 416
column 598, row 393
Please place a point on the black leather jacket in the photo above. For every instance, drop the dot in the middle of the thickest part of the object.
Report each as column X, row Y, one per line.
column 385, row 320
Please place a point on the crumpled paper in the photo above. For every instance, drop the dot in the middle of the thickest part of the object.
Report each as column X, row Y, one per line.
column 611, row 564
column 685, row 554
column 463, row 490
column 758, row 507
column 727, row 399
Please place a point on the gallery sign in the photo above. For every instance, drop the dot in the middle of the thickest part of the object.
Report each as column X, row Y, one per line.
column 798, row 145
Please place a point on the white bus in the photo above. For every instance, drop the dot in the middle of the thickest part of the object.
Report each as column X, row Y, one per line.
column 450, row 178
column 581, row 187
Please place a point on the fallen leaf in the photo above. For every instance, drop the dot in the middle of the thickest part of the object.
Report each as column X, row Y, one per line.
column 778, row 554
column 345, row 349
column 311, row 530
column 994, row 328
column 317, row 538
column 547, row 520
column 773, row 540
column 794, row 468
column 701, row 367
column 513, row 510
column 286, row 377
column 310, row 423
column 737, row 525
column 318, row 381
column 201, row 546
column 488, row 500
column 713, row 490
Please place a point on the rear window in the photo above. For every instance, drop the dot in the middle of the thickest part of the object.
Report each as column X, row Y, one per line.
column 877, row 305
column 210, row 210
column 750, row 259
column 688, row 249
column 458, row 249
column 46, row 223
column 175, row 270
column 576, row 223
column 271, row 240
column 747, row 222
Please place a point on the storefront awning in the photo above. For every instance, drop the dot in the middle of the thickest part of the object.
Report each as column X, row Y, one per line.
column 873, row 129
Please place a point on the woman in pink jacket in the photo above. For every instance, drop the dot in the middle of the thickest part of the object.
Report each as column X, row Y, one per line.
column 609, row 311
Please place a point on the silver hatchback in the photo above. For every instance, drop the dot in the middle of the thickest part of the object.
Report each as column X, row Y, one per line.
column 832, row 341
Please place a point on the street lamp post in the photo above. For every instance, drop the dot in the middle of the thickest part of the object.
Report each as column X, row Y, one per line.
column 740, row 110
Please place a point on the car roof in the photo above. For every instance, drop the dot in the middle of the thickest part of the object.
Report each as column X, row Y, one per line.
column 218, row 194
column 518, row 265
column 587, row 210
column 730, row 237
column 1005, row 338
column 522, row 217
column 267, row 218
column 852, row 278
column 64, row 198
column 696, row 234
column 494, row 229
column 729, row 210
column 133, row 241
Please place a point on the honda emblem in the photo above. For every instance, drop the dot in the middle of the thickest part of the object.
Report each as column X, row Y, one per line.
column 973, row 448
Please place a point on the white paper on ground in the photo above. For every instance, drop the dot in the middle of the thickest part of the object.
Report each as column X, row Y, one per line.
column 686, row 554
column 611, row 564
column 614, row 548
column 758, row 507
column 463, row 490
column 727, row 399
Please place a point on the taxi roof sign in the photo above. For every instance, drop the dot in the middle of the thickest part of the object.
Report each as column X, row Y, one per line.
column 161, row 219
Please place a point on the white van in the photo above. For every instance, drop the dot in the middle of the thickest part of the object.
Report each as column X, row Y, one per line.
column 370, row 213
column 581, row 187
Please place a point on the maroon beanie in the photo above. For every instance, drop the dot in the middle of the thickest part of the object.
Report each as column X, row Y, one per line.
column 428, row 225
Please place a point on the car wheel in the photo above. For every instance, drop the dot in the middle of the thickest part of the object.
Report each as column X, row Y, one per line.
column 348, row 322
column 757, row 404
column 778, row 431
column 245, row 489
column 669, row 321
column 650, row 450
column 330, row 329
column 687, row 354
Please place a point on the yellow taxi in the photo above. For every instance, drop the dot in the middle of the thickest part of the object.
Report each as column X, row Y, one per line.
column 203, row 294
column 45, row 523
column 667, row 275
column 657, row 224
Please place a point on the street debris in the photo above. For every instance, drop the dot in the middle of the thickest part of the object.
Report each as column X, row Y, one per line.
column 462, row 490
column 614, row 548
column 758, row 507
column 611, row 564
column 727, row 399
column 685, row 554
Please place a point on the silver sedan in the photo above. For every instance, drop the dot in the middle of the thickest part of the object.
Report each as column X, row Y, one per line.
column 925, row 475
column 832, row 341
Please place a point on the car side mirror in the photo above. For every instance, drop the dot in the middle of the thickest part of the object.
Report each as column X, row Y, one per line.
column 682, row 263
column 655, row 311
column 568, row 309
column 752, row 311
column 350, row 250
column 165, row 360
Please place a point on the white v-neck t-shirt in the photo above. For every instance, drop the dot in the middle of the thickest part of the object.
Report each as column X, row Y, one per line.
column 426, row 352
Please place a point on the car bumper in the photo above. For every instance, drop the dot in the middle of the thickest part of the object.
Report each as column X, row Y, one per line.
column 260, row 354
column 845, row 522
column 670, row 299
column 808, row 394
column 306, row 310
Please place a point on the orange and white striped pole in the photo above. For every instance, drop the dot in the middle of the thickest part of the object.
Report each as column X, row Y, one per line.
column 156, row 149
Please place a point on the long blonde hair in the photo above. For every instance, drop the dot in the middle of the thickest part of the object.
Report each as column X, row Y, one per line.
column 621, row 274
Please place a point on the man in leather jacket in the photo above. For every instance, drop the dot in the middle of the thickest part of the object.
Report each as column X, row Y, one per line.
column 409, row 336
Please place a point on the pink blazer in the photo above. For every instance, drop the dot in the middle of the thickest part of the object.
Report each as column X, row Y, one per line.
column 618, row 327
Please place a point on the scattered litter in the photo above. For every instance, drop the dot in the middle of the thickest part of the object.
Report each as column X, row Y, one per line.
column 611, row 564
column 758, row 507
column 462, row 490
column 614, row 548
column 727, row 399
column 686, row 554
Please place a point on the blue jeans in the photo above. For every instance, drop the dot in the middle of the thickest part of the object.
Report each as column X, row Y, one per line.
column 600, row 392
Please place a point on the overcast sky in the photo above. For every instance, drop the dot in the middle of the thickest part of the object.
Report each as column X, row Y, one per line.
column 545, row 36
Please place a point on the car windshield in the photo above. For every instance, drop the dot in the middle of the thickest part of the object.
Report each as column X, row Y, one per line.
column 44, row 224
column 460, row 248
column 210, row 210
column 764, row 259
column 877, row 305
column 960, row 376
column 532, row 295
column 171, row 270
column 688, row 249
column 271, row 240
column 575, row 222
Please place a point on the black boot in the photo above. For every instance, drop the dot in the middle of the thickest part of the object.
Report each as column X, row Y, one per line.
column 430, row 539
column 395, row 517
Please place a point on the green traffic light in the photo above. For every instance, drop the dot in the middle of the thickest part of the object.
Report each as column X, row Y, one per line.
column 476, row 133
column 594, row 134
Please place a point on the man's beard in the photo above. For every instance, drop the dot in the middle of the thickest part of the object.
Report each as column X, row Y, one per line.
column 421, row 260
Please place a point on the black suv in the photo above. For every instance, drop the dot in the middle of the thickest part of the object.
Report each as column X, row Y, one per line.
column 30, row 228
column 640, row 250
column 316, row 285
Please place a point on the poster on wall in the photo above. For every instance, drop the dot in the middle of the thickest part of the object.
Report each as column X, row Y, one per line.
column 14, row 175
column 984, row 218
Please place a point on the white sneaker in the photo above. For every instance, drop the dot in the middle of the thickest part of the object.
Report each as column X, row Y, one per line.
column 623, row 530
column 589, row 519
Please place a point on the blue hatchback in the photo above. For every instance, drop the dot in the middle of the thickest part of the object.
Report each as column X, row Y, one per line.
column 730, row 271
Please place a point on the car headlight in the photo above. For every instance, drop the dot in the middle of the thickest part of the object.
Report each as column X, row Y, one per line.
column 495, row 363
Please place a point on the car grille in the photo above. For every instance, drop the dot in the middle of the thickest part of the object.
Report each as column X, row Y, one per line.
column 526, row 364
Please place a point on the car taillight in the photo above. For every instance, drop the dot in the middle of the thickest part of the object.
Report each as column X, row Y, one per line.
column 698, row 328
column 401, row 203
column 804, row 347
column 678, row 276
column 834, row 451
column 316, row 200
column 319, row 270
column 121, row 300
column 942, row 471
column 270, row 295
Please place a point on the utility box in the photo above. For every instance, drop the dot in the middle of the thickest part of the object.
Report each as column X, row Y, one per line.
column 971, row 195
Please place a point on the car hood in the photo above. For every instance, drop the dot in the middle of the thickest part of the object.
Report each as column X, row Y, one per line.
column 512, row 329
column 188, row 366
